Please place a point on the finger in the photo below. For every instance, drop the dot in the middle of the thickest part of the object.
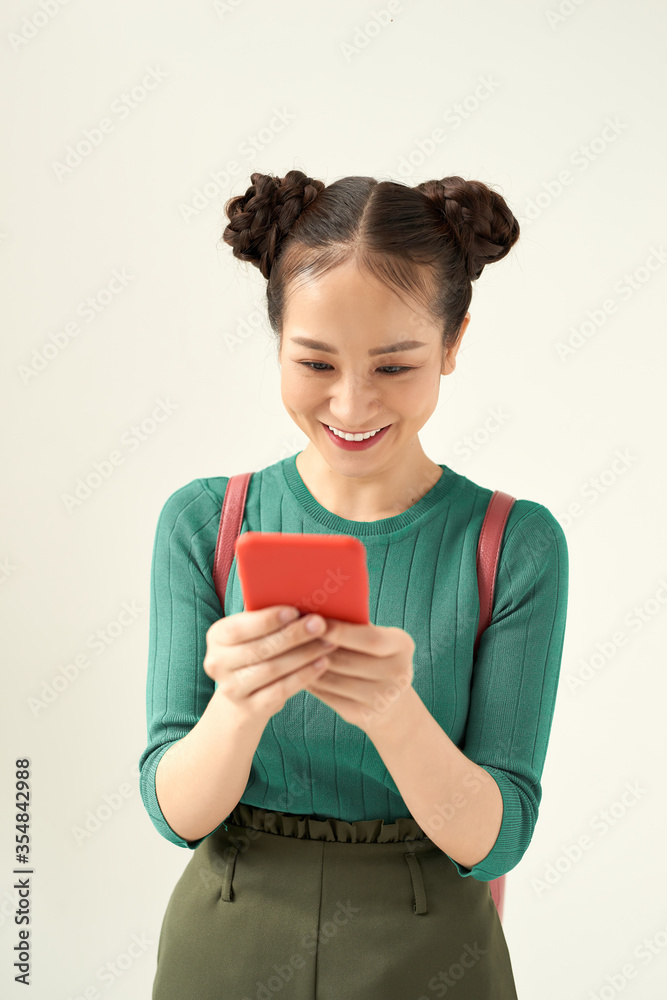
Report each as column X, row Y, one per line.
column 242, row 681
column 232, row 630
column 284, row 641
column 265, row 668
column 287, row 684
column 370, row 639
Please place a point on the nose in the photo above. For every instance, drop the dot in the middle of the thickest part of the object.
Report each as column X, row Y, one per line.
column 354, row 404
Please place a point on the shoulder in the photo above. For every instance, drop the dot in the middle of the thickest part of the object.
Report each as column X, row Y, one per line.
column 529, row 522
column 532, row 524
column 193, row 503
column 534, row 558
column 533, row 564
column 205, row 495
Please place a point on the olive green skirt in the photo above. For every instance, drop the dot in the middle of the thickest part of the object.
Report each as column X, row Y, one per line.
column 281, row 905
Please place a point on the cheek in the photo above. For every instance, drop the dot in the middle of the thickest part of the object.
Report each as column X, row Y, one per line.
column 415, row 395
column 299, row 392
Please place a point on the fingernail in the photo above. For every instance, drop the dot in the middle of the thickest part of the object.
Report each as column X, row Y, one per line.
column 288, row 614
column 314, row 624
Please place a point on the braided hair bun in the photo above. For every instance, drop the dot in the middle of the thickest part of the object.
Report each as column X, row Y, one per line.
column 480, row 220
column 261, row 218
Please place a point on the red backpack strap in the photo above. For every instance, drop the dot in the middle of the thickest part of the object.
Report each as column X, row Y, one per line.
column 488, row 553
column 231, row 517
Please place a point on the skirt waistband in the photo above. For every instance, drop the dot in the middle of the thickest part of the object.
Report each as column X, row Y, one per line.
column 359, row 831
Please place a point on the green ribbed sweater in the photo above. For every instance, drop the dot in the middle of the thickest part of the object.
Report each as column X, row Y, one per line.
column 422, row 578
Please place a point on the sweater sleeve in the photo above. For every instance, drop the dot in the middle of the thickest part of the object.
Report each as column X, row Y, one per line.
column 515, row 679
column 183, row 606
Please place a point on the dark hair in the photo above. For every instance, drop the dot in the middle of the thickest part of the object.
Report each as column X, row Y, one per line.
column 431, row 241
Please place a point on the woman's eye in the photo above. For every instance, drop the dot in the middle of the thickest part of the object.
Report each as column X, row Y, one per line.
column 397, row 368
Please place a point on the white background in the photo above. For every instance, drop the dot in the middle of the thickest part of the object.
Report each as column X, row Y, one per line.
column 189, row 328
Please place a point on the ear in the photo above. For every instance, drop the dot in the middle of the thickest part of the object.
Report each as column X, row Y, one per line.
column 449, row 356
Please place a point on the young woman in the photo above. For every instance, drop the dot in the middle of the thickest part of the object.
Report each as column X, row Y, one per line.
column 346, row 819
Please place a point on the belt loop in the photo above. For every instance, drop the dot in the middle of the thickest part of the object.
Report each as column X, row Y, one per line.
column 227, row 893
column 419, row 905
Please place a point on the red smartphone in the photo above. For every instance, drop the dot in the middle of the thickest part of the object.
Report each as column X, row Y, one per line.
column 313, row 572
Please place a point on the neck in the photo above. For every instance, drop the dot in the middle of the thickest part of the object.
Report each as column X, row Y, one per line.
column 386, row 492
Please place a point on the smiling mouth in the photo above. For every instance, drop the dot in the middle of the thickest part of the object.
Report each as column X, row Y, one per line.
column 373, row 430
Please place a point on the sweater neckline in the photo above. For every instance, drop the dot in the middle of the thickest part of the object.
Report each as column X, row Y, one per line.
column 384, row 526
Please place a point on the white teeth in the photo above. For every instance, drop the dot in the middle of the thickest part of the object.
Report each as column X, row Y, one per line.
column 353, row 437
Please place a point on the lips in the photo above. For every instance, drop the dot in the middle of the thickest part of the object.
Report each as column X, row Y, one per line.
column 356, row 432
column 356, row 445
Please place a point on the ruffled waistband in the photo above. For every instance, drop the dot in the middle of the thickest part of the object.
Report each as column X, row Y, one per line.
column 359, row 831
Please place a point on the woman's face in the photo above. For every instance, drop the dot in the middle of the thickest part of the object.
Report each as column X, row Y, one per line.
column 342, row 378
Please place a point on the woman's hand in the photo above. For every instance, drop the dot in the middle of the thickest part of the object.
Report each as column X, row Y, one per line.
column 258, row 661
column 368, row 672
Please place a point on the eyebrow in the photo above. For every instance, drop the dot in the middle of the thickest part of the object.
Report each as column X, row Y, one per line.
column 401, row 345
